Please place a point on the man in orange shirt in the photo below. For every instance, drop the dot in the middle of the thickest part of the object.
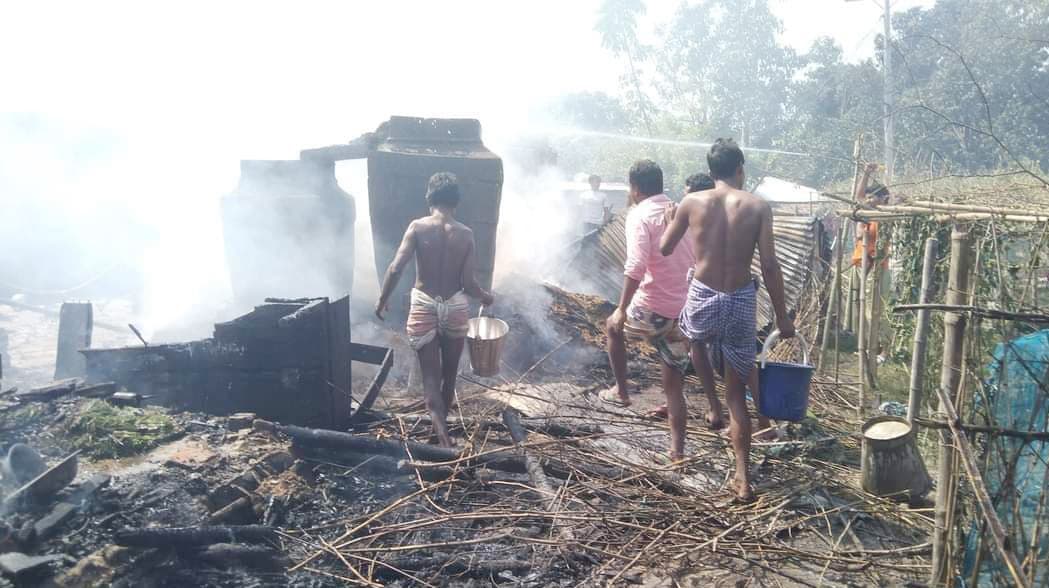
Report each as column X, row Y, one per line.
column 875, row 194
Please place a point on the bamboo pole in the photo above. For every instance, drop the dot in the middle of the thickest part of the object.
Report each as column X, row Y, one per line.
column 857, row 171
column 977, row 216
column 837, row 297
column 831, row 323
column 877, row 306
column 921, row 334
column 862, row 334
column 972, row 208
column 905, row 212
column 850, row 302
column 1027, row 436
column 994, row 524
column 950, row 378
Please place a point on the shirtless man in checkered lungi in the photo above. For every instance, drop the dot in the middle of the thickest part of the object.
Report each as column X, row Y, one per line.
column 727, row 224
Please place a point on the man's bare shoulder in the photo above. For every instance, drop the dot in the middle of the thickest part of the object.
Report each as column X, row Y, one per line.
column 748, row 200
column 697, row 200
column 461, row 229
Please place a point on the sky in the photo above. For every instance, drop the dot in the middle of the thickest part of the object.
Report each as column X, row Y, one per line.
column 250, row 73
column 145, row 108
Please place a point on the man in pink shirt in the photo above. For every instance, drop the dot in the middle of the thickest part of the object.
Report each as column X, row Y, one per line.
column 654, row 291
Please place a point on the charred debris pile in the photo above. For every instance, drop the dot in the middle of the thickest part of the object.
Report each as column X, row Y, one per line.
column 546, row 487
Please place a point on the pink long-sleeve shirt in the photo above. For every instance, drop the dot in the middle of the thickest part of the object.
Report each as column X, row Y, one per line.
column 664, row 280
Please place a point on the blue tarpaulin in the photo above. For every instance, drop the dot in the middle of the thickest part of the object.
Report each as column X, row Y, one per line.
column 1016, row 471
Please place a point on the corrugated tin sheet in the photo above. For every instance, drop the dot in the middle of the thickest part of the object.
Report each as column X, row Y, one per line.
column 597, row 264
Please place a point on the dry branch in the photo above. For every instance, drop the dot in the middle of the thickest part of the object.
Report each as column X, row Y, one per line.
column 982, row 498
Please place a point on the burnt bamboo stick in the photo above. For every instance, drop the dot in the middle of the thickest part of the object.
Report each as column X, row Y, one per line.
column 397, row 449
column 512, row 419
column 177, row 537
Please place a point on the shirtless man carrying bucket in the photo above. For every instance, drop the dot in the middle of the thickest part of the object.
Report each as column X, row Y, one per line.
column 726, row 225
column 443, row 249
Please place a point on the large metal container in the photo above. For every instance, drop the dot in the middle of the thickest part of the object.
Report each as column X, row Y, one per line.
column 890, row 462
column 409, row 152
column 288, row 229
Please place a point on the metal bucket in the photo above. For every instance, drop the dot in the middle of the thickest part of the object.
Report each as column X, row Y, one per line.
column 484, row 340
column 891, row 464
column 784, row 386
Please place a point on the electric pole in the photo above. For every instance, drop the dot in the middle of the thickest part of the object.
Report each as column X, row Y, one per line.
column 888, row 96
column 890, row 107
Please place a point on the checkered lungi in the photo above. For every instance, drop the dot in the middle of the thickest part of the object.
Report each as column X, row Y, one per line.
column 658, row 330
column 726, row 322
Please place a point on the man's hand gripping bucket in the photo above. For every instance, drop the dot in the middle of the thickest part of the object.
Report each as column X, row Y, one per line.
column 784, row 386
column 484, row 341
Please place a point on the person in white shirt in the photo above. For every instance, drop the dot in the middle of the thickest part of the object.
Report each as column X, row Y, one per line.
column 596, row 210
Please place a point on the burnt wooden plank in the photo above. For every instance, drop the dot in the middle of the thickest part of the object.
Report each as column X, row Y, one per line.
column 339, row 357
column 311, row 311
column 365, row 353
column 377, row 382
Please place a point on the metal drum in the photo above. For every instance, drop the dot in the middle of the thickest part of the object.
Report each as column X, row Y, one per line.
column 288, row 230
column 891, row 464
column 400, row 165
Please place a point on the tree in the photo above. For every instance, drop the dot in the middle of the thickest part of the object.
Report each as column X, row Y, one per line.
column 591, row 111
column 617, row 24
column 724, row 68
column 974, row 83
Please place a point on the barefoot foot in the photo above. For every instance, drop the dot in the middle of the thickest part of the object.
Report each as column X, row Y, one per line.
column 742, row 490
column 714, row 420
column 657, row 413
column 614, row 396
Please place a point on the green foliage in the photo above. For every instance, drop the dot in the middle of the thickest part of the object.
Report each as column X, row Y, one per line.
column 106, row 431
column 592, row 111
column 726, row 74
column 971, row 79
column 22, row 416
column 972, row 71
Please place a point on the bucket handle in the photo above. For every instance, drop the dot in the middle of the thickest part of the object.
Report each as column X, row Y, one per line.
column 774, row 336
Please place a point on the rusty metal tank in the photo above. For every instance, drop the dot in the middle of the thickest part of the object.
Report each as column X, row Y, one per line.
column 407, row 152
column 288, row 229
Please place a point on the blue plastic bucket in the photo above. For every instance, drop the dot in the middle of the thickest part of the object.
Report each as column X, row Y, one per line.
column 784, row 386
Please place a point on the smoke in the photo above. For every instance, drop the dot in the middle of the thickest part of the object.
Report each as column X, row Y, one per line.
column 537, row 222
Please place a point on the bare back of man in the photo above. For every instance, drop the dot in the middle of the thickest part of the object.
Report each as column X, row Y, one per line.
column 443, row 249
column 727, row 224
